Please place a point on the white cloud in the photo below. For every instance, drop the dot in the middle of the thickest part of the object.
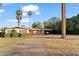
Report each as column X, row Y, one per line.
column 37, row 13
column 33, row 8
column 2, row 10
column 23, row 20
column 26, row 20
column 24, row 14
column 30, row 8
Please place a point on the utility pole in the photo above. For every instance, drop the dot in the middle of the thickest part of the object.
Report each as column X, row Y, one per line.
column 63, row 6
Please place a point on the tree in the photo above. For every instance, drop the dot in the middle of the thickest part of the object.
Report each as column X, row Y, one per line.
column 63, row 20
column 19, row 16
column 70, row 25
column 46, row 24
column 54, row 23
column 29, row 14
column 76, row 23
column 0, row 5
column 36, row 25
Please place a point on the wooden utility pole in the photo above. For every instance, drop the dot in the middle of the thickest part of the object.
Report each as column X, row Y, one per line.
column 63, row 20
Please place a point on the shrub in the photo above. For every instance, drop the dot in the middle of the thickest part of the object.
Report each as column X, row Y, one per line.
column 2, row 34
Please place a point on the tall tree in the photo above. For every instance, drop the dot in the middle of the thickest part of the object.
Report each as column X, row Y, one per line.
column 54, row 22
column 29, row 14
column 19, row 16
column 0, row 5
column 63, row 20
column 37, row 25
column 47, row 24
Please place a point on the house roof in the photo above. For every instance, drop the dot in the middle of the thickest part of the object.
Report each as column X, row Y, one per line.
column 19, row 27
column 28, row 28
column 38, row 29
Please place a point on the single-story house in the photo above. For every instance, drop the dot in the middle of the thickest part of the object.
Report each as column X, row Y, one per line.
column 21, row 30
column 15, row 29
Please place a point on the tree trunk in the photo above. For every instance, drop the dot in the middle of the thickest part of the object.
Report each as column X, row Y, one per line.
column 0, row 5
column 29, row 22
column 63, row 20
column 18, row 23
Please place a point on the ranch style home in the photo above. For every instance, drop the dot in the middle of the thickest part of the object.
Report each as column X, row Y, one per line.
column 21, row 30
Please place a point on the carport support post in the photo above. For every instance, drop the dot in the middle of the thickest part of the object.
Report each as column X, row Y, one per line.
column 63, row 6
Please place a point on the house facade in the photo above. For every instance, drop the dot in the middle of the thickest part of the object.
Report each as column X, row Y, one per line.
column 15, row 29
column 21, row 30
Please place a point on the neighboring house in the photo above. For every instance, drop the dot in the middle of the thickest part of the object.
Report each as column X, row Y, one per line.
column 15, row 29
column 40, row 31
column 36, row 31
column 26, row 30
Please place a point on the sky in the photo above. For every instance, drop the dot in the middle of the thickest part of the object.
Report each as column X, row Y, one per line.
column 40, row 12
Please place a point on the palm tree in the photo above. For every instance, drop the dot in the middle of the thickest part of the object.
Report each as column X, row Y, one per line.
column 63, row 20
column 29, row 14
column 19, row 16
column 0, row 5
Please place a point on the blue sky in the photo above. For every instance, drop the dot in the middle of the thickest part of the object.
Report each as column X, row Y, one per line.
column 40, row 12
